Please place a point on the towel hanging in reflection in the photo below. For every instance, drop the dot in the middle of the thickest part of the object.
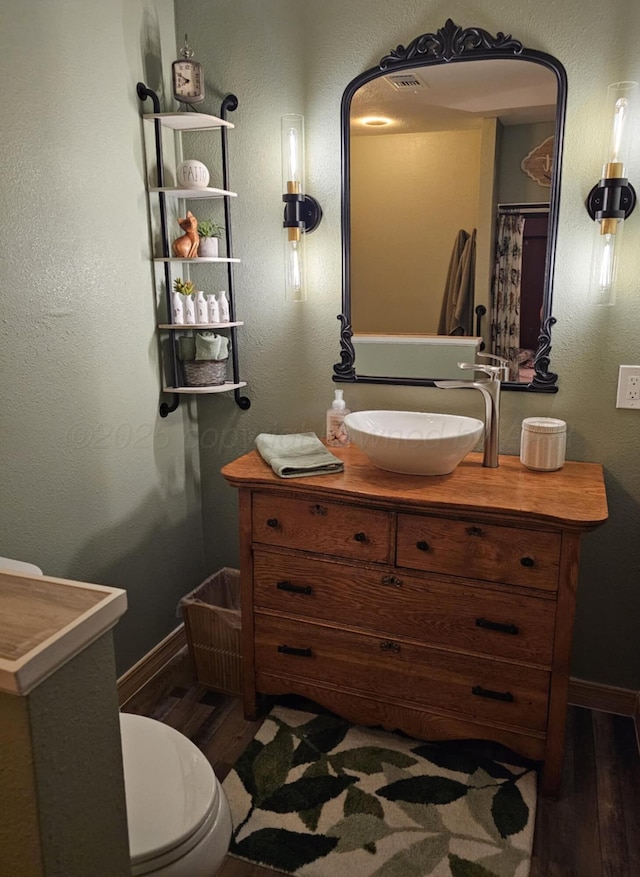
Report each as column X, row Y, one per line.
column 456, row 314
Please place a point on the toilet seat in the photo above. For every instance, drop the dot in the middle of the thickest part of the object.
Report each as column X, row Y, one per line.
column 172, row 794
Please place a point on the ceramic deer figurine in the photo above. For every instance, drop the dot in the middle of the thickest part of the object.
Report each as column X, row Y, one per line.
column 186, row 246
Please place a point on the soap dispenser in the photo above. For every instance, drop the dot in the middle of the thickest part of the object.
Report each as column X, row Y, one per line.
column 336, row 431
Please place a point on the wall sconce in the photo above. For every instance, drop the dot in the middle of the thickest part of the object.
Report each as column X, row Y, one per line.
column 302, row 213
column 612, row 200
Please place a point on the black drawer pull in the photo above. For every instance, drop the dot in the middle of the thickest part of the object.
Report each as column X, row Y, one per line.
column 527, row 561
column 318, row 509
column 360, row 537
column 422, row 545
column 294, row 589
column 291, row 650
column 475, row 531
column 494, row 695
column 393, row 581
column 388, row 645
column 495, row 625
column 272, row 522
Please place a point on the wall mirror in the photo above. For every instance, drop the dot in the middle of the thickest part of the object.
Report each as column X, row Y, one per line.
column 451, row 156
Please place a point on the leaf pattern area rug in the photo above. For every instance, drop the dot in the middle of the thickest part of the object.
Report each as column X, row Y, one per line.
column 315, row 796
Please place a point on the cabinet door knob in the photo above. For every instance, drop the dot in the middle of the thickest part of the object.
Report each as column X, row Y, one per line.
column 272, row 522
column 527, row 561
column 393, row 581
column 422, row 545
column 360, row 537
column 388, row 645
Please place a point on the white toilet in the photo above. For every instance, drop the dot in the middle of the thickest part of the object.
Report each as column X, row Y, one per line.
column 177, row 812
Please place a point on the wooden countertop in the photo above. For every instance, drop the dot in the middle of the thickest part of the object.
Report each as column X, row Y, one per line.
column 45, row 621
column 573, row 497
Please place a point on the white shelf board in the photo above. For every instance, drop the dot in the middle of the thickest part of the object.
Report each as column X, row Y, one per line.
column 198, row 325
column 189, row 121
column 197, row 259
column 190, row 194
column 216, row 388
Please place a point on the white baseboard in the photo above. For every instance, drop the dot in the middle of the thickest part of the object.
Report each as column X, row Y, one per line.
column 151, row 664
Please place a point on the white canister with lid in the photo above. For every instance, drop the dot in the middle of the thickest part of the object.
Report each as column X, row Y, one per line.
column 543, row 443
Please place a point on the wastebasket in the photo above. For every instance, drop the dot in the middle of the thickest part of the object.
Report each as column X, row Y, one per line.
column 212, row 623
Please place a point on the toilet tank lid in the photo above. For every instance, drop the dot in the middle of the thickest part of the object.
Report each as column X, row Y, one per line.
column 170, row 787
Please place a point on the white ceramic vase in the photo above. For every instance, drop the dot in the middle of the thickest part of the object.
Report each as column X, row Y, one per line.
column 214, row 309
column 189, row 305
column 223, row 304
column 177, row 309
column 202, row 309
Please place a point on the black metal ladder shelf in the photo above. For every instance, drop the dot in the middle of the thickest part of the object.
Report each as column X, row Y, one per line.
column 229, row 104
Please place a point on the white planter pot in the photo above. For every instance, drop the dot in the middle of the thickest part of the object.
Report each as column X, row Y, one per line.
column 208, row 247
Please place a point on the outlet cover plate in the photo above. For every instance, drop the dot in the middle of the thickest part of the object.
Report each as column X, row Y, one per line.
column 628, row 387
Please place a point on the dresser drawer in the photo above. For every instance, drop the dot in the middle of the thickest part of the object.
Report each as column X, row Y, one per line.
column 479, row 551
column 323, row 527
column 425, row 608
column 391, row 669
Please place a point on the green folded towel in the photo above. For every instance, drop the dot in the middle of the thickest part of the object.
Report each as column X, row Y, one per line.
column 211, row 346
column 292, row 456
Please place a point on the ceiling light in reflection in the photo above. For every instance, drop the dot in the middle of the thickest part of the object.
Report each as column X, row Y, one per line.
column 376, row 121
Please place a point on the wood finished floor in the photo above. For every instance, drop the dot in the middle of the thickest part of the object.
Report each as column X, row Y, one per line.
column 593, row 830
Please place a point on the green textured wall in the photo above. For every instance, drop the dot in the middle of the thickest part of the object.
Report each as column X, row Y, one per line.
column 95, row 486
column 297, row 56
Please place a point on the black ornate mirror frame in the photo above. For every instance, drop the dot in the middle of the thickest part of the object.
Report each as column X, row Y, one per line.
column 451, row 45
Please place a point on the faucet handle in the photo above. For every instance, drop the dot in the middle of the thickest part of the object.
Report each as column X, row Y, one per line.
column 502, row 362
column 494, row 372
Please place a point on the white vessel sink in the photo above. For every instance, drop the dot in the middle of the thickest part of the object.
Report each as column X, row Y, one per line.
column 413, row 442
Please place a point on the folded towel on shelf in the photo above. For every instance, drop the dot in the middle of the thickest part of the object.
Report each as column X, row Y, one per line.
column 186, row 348
column 211, row 346
column 293, row 456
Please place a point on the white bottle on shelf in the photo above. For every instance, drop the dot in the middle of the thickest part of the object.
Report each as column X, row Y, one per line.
column 189, row 310
column 177, row 309
column 202, row 309
column 213, row 309
column 223, row 303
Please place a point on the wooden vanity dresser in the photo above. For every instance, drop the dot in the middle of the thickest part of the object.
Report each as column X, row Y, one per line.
column 441, row 606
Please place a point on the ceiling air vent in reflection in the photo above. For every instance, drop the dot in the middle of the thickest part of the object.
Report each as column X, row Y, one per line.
column 405, row 81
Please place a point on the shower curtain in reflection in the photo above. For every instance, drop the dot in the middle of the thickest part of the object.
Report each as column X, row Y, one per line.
column 505, row 307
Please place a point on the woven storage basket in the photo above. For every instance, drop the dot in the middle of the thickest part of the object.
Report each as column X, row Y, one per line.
column 204, row 372
column 211, row 616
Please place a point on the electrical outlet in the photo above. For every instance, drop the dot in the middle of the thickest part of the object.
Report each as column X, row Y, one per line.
column 628, row 387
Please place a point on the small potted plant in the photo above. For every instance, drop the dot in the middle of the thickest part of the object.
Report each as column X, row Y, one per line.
column 209, row 232
column 183, row 302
